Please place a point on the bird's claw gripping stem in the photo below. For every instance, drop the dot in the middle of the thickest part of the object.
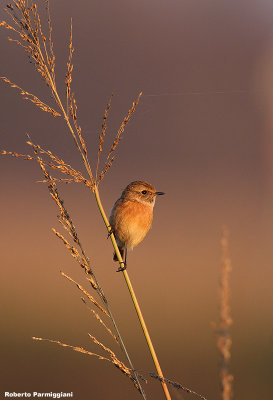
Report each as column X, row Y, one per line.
column 122, row 268
column 110, row 232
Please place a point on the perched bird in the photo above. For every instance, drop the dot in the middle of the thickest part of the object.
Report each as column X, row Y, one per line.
column 131, row 216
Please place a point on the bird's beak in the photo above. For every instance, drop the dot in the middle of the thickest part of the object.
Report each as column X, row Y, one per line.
column 159, row 193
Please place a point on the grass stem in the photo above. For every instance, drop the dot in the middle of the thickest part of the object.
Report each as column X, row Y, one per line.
column 133, row 296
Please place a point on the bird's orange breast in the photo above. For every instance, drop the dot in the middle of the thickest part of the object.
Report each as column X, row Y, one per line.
column 131, row 221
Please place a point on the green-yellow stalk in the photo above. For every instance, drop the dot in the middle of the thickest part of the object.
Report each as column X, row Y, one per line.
column 133, row 296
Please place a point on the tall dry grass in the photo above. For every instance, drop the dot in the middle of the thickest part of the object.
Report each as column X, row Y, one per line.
column 30, row 35
column 26, row 24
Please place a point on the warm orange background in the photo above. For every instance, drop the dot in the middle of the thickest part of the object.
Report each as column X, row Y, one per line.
column 203, row 134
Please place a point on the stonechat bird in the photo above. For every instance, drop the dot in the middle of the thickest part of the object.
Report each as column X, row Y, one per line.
column 132, row 215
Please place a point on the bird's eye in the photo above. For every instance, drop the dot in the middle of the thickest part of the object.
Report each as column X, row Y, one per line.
column 144, row 191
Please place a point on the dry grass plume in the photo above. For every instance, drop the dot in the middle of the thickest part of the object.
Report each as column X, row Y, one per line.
column 224, row 341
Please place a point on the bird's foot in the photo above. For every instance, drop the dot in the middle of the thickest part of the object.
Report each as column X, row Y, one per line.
column 122, row 268
column 110, row 232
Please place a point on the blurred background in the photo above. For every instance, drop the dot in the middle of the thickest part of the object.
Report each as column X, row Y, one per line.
column 202, row 133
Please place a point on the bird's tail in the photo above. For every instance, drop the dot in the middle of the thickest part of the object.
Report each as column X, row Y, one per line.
column 121, row 249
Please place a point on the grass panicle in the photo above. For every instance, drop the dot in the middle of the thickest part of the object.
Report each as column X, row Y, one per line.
column 54, row 163
column 119, row 364
column 68, row 75
column 86, row 293
column 224, row 341
column 110, row 158
column 27, row 27
column 103, row 133
column 96, row 315
column 176, row 385
column 30, row 36
column 31, row 97
column 113, row 359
